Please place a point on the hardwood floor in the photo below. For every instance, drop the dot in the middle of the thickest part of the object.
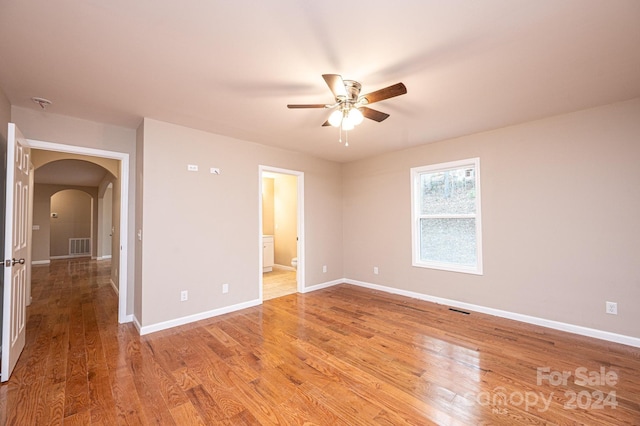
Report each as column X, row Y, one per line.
column 278, row 283
column 339, row 356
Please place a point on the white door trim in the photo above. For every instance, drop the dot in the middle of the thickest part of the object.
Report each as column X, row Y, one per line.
column 124, row 209
column 300, row 202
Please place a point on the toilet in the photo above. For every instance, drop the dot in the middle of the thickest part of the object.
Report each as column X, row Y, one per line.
column 294, row 263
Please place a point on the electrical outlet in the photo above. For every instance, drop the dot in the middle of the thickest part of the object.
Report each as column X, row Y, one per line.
column 192, row 167
column 184, row 295
column 612, row 308
column 375, row 270
column 225, row 288
column 324, row 268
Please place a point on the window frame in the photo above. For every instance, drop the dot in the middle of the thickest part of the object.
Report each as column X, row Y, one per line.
column 416, row 216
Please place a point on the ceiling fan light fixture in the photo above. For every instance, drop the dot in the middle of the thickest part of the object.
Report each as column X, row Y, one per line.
column 335, row 118
column 355, row 116
column 347, row 124
column 348, row 102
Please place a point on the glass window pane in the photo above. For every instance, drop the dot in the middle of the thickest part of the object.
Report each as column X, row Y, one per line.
column 448, row 241
column 448, row 192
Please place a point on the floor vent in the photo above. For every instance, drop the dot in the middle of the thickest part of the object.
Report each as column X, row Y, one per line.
column 79, row 246
column 459, row 311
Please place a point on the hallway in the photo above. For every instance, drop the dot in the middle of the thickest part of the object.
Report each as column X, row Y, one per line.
column 72, row 348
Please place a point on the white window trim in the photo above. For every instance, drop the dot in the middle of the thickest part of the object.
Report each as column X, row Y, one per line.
column 416, row 216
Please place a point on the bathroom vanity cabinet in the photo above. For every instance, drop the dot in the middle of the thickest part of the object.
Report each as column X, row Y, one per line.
column 267, row 253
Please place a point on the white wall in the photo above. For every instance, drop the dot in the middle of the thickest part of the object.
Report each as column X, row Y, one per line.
column 560, row 205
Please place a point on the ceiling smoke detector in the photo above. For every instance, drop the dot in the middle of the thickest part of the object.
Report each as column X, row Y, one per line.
column 44, row 103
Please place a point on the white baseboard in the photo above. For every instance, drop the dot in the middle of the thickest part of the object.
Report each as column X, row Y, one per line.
column 114, row 287
column 136, row 323
column 284, row 267
column 323, row 285
column 71, row 256
column 41, row 262
column 196, row 317
column 556, row 325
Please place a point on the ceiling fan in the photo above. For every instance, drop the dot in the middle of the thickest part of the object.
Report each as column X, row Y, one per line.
column 351, row 106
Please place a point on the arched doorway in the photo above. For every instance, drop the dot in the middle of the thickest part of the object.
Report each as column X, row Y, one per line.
column 71, row 166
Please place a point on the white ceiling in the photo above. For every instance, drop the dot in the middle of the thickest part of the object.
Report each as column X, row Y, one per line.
column 230, row 67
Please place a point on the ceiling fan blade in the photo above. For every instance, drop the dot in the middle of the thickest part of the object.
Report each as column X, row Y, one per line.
column 336, row 85
column 326, row 123
column 374, row 114
column 386, row 93
column 307, row 106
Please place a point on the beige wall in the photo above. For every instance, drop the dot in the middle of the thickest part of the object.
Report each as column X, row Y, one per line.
column 560, row 205
column 73, row 209
column 5, row 118
column 280, row 215
column 285, row 218
column 204, row 229
column 61, row 129
column 268, row 221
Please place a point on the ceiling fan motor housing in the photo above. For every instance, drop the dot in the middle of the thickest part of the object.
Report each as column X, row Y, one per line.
column 353, row 90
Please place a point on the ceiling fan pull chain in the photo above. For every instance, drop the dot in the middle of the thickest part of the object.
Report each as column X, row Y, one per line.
column 346, row 137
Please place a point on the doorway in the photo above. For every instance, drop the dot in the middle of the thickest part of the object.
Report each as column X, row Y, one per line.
column 121, row 196
column 281, row 215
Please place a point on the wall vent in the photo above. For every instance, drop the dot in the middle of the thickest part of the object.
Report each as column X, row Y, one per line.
column 79, row 246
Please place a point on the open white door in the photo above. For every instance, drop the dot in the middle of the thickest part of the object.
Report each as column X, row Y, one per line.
column 16, row 250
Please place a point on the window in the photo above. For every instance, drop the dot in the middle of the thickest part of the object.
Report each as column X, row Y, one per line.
column 446, row 225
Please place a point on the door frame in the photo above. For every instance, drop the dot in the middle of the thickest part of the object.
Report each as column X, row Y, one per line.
column 300, row 225
column 123, row 276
